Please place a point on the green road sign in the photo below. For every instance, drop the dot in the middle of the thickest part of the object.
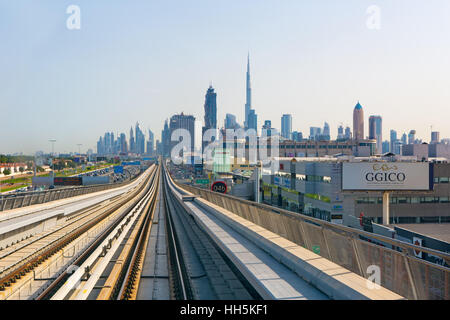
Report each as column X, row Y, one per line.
column 316, row 249
column 202, row 181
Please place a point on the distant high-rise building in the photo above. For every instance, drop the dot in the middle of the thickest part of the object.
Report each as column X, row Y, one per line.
column 267, row 129
column 159, row 149
column 435, row 137
column 376, row 131
column 286, row 126
column 165, row 140
column 297, row 136
column 140, row 140
column 151, row 143
column 404, row 139
column 385, row 147
column 397, row 147
column 393, row 136
column 348, row 133
column 123, row 143
column 358, row 122
column 100, row 146
column 182, row 121
column 210, row 109
column 248, row 103
column 412, row 137
column 326, row 132
column 315, row 133
column 340, row 134
column 132, row 141
column 252, row 120
column 230, row 121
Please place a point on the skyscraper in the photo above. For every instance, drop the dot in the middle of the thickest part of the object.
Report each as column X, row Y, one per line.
column 252, row 120
column 412, row 137
column 230, row 121
column 210, row 109
column 348, row 133
column 404, row 139
column 150, row 143
column 286, row 126
column 376, row 131
column 314, row 133
column 267, row 129
column 340, row 134
column 435, row 137
column 140, row 140
column 182, row 121
column 165, row 140
column 358, row 122
column 248, row 103
column 123, row 143
column 326, row 132
column 393, row 136
column 132, row 142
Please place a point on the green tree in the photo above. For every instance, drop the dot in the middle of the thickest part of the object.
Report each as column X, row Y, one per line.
column 21, row 169
column 7, row 172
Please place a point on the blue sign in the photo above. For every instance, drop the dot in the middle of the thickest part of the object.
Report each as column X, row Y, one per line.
column 131, row 163
column 276, row 181
column 118, row 169
column 146, row 159
column 287, row 183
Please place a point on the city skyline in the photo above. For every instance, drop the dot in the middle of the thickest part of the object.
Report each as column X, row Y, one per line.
column 299, row 65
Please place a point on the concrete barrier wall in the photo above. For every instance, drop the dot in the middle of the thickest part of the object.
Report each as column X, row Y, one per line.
column 89, row 181
column 400, row 271
column 14, row 201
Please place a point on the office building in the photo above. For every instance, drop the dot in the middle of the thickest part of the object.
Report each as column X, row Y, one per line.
column 230, row 121
column 435, row 137
column 348, row 133
column 186, row 122
column 248, row 103
column 393, row 137
column 358, row 122
column 252, row 120
column 376, row 131
column 286, row 126
column 313, row 187
column 210, row 109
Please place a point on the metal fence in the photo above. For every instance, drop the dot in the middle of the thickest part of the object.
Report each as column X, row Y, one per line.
column 24, row 199
column 400, row 271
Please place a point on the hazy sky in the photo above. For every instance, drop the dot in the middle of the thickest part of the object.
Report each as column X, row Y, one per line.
column 144, row 60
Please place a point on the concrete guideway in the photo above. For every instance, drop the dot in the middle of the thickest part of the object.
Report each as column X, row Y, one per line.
column 21, row 223
column 80, row 231
column 294, row 272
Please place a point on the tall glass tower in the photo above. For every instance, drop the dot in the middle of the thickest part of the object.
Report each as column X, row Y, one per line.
column 248, row 104
column 210, row 109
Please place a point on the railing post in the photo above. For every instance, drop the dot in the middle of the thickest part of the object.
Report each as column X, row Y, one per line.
column 410, row 278
column 358, row 260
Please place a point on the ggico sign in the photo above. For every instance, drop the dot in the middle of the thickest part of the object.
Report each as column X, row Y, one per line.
column 385, row 176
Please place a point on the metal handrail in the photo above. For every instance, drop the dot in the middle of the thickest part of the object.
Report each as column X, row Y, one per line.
column 352, row 231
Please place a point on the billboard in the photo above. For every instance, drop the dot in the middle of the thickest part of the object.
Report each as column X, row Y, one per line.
column 387, row 176
column 118, row 169
column 67, row 181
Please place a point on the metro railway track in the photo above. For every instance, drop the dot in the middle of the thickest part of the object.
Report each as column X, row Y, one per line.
column 56, row 241
column 179, row 276
column 121, row 282
column 198, row 267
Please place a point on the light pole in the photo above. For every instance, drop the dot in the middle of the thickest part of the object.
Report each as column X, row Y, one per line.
column 53, row 150
column 53, row 145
